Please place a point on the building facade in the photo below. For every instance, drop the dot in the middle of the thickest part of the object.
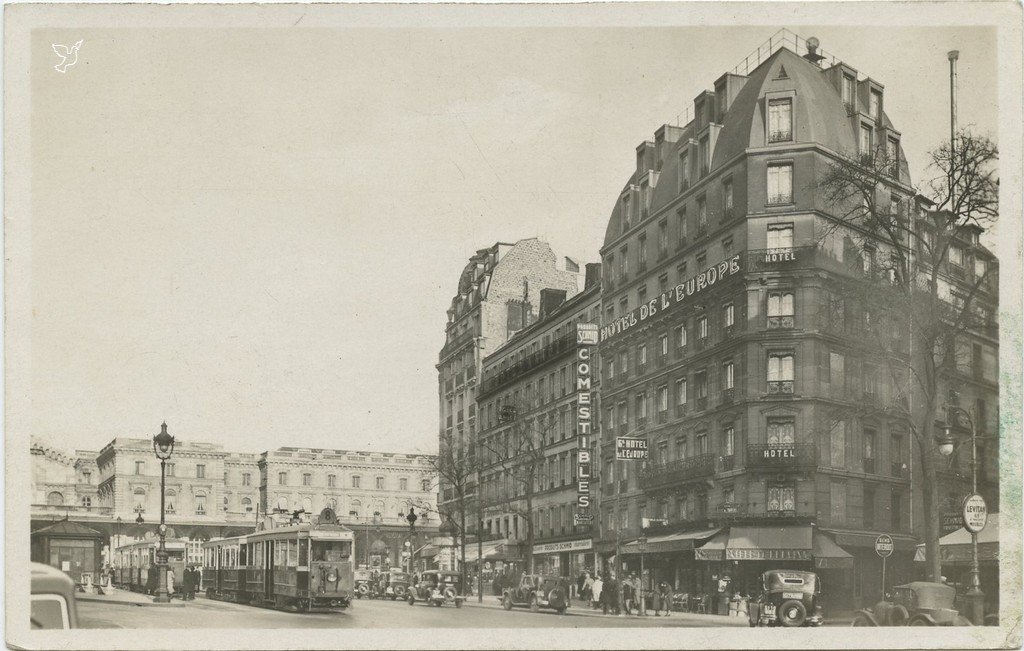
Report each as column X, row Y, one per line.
column 498, row 294
column 528, row 435
column 211, row 492
column 727, row 347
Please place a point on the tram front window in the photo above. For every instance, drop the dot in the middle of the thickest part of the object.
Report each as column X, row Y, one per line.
column 331, row 551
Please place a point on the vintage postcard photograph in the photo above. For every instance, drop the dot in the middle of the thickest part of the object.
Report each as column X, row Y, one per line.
column 597, row 325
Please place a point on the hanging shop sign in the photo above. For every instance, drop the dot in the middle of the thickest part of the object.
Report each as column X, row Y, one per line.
column 586, row 339
column 767, row 554
column 669, row 299
column 564, row 546
column 631, row 449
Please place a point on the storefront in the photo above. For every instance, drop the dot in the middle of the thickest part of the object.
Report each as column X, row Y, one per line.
column 667, row 558
column 70, row 547
column 735, row 559
column 498, row 561
column 566, row 558
column 955, row 555
column 861, row 586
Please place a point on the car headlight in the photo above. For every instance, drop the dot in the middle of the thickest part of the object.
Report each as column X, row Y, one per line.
column 332, row 577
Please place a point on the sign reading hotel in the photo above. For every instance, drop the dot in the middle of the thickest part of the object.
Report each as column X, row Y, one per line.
column 704, row 280
column 630, row 449
column 586, row 339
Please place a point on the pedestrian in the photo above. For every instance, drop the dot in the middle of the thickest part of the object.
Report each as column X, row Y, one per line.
column 588, row 588
column 666, row 597
column 186, row 583
column 580, row 580
column 628, row 595
column 598, row 588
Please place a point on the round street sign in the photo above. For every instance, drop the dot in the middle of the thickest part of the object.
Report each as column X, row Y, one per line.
column 975, row 513
column 883, row 545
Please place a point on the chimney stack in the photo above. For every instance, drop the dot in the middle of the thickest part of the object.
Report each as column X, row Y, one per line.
column 593, row 276
column 550, row 300
column 812, row 52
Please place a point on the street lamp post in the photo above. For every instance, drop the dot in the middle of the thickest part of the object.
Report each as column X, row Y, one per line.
column 641, row 544
column 163, row 446
column 375, row 520
column 975, row 597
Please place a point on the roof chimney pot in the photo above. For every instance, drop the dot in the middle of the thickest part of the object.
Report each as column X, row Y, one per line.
column 812, row 51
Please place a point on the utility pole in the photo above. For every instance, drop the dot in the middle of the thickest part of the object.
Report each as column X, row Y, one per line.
column 953, row 56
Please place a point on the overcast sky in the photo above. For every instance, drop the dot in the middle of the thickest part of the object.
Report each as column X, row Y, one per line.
column 254, row 234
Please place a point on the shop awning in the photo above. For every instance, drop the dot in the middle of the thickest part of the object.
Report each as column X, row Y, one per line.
column 673, row 542
column 492, row 551
column 769, row 544
column 428, row 551
column 714, row 549
column 956, row 547
column 828, row 555
column 847, row 539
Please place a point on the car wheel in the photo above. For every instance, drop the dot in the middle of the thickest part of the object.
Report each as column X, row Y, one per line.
column 561, row 611
column 792, row 613
column 458, row 603
column 898, row 616
column 861, row 620
column 919, row 621
column 411, row 601
column 534, row 604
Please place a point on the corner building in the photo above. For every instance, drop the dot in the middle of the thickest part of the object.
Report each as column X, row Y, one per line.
column 721, row 347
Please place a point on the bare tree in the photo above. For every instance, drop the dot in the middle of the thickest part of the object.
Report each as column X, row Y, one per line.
column 514, row 462
column 910, row 311
column 456, row 469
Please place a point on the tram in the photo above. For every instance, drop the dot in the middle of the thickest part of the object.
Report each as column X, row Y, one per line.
column 301, row 566
column 136, row 568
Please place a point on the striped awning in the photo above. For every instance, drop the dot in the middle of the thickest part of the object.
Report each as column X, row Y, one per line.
column 714, row 549
column 956, row 547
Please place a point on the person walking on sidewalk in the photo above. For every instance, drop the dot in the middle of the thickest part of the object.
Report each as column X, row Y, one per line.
column 665, row 598
column 598, row 590
column 588, row 588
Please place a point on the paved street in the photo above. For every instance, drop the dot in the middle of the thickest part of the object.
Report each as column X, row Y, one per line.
column 206, row 613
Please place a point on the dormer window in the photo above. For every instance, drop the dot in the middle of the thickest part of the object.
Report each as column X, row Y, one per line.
column 625, row 213
column 780, row 120
column 848, row 91
column 866, row 141
column 875, row 105
column 684, row 171
column 893, row 152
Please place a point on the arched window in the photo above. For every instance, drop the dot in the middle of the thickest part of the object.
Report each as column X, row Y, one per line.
column 225, row 502
column 201, row 503
column 354, row 508
column 247, row 505
column 140, row 499
column 307, row 505
column 332, row 504
column 86, row 501
column 170, row 497
column 55, row 498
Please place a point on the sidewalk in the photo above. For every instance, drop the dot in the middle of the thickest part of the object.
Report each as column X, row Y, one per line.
column 124, row 598
column 578, row 609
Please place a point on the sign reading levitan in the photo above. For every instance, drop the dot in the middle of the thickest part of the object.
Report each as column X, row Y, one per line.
column 586, row 338
column 975, row 513
column 674, row 296
column 627, row 449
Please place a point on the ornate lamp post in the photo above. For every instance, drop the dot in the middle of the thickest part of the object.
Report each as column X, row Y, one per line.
column 410, row 544
column 163, row 446
column 975, row 597
column 641, row 544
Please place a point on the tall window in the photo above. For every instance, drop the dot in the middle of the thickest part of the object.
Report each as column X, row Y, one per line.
column 624, row 262
column 875, row 105
column 246, row 479
column 702, row 327
column 702, row 384
column 683, row 228
column 701, row 442
column 379, row 482
column 663, row 399
column 332, row 481
column 680, row 336
column 780, row 236
column 425, row 485
column 870, row 437
column 780, row 372
column 705, row 156
column 200, row 471
column 729, row 315
column 729, row 440
column 662, row 238
column 247, row 505
column 727, row 375
column 140, row 467
column 403, row 484
column 282, row 478
column 702, row 215
column 684, row 171
column 780, row 183
column 640, row 402
column 837, row 445
column 170, row 499
column 781, row 498
column 781, row 432
column 956, row 257
column 307, row 479
column 663, row 346
column 893, row 152
column 837, row 495
column 848, row 94
column 681, row 391
column 867, row 140
column 780, row 308
column 139, row 495
column 356, row 479
column 641, row 357
column 780, row 120
column 200, row 500
column 727, row 196
column 626, row 213
column 643, row 251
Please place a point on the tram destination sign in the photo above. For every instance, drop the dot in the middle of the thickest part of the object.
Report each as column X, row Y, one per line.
column 884, row 545
column 630, row 449
column 672, row 297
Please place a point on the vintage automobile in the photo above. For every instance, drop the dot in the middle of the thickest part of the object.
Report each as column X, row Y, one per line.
column 53, row 598
column 437, row 588
column 919, row 603
column 363, row 580
column 788, row 598
column 538, row 591
column 397, row 584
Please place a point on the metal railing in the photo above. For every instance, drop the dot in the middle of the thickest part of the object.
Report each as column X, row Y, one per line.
column 679, row 470
column 780, row 387
column 554, row 349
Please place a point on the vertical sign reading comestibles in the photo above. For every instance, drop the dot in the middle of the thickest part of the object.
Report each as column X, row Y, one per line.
column 586, row 339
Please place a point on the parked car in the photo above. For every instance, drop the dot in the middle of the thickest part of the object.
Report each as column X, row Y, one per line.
column 398, row 584
column 363, row 580
column 788, row 598
column 538, row 591
column 919, row 603
column 53, row 598
column 437, row 588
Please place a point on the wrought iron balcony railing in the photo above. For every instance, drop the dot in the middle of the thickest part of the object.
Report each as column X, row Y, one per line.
column 780, row 387
column 784, row 322
column 678, row 471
